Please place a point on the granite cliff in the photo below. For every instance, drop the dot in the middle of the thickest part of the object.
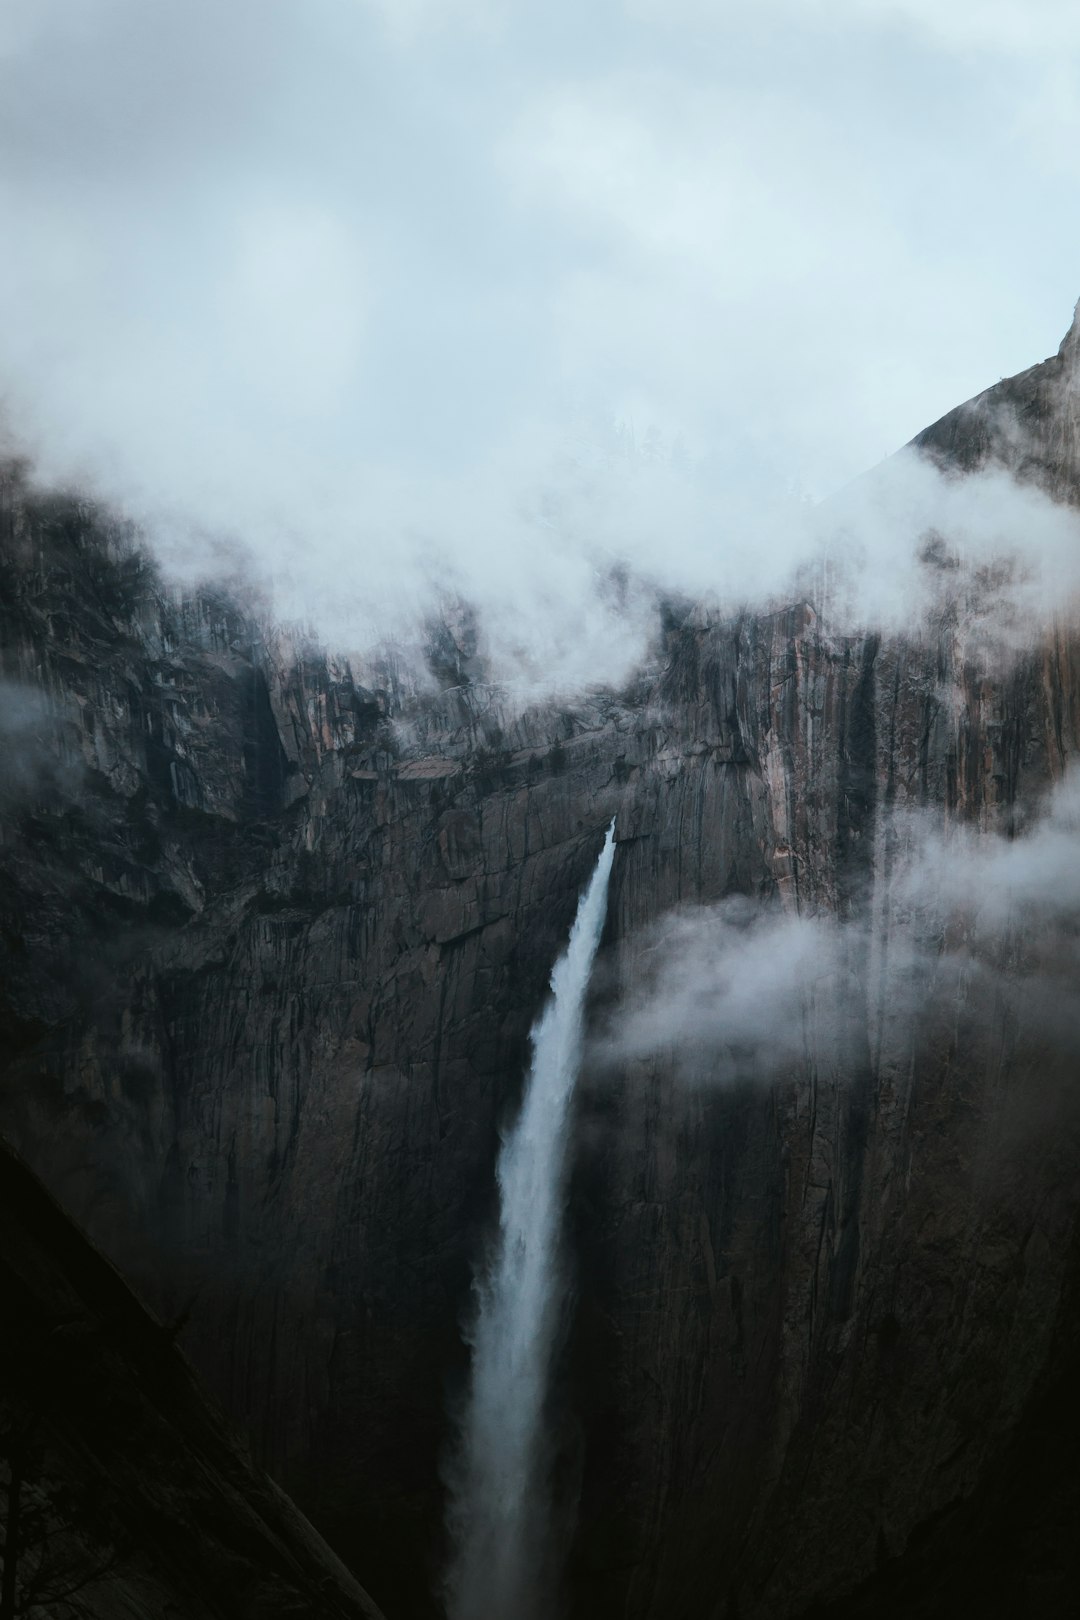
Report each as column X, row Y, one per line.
column 273, row 939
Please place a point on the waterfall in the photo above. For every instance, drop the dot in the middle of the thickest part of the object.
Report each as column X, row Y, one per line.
column 499, row 1516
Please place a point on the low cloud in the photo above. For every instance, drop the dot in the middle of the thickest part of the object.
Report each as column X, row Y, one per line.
column 910, row 542
column 990, row 883
column 722, row 991
column 1038, row 28
column 967, row 922
column 552, row 311
column 565, row 566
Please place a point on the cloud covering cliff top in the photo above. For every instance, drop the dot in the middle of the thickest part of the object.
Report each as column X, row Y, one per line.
column 397, row 291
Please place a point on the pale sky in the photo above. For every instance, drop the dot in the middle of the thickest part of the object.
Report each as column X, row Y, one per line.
column 357, row 281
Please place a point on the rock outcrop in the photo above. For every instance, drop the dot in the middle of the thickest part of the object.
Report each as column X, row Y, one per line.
column 123, row 1492
column 273, row 940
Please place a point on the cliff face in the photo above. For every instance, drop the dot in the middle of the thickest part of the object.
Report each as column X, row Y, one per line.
column 269, row 980
column 812, row 1310
column 273, row 942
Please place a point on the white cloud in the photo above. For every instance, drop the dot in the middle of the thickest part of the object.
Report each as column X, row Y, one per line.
column 372, row 302
column 406, row 22
column 741, row 991
column 994, row 883
column 723, row 992
column 1038, row 27
column 910, row 543
column 292, row 304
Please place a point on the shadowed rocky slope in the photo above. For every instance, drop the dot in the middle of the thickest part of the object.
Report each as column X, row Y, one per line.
column 273, row 941
column 129, row 1493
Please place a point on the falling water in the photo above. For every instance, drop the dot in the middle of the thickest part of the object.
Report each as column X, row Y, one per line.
column 500, row 1513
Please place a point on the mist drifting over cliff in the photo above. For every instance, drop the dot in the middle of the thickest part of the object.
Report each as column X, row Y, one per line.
column 736, row 992
column 554, row 315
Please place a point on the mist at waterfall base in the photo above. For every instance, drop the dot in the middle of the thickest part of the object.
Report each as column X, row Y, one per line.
column 504, row 1566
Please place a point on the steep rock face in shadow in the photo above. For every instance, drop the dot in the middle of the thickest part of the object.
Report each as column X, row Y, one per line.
column 123, row 1491
column 1010, row 1547
column 817, row 1314
column 273, row 941
column 813, row 1309
column 260, row 1041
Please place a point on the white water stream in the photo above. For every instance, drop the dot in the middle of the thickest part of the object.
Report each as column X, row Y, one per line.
column 500, row 1508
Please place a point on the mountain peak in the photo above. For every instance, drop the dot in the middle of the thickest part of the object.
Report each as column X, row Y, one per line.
column 1070, row 343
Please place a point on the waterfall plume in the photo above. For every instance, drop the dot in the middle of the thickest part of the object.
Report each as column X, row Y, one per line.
column 499, row 1515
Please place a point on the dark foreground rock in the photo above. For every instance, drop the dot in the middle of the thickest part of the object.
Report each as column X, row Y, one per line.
column 123, row 1491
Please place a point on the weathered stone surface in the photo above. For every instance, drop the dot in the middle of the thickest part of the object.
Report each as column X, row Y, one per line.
column 813, row 1311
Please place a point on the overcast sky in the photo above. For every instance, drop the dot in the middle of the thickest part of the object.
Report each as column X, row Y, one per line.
column 349, row 278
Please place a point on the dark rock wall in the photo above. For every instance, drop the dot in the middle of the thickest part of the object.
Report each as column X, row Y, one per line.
column 263, row 1020
column 273, row 941
column 811, row 1311
column 125, row 1493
